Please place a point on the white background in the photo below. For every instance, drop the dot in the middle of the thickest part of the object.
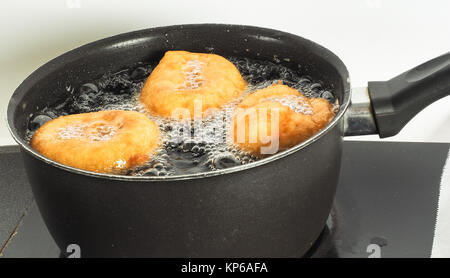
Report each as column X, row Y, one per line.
column 377, row 39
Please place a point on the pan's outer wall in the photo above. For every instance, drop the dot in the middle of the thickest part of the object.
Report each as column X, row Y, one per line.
column 276, row 209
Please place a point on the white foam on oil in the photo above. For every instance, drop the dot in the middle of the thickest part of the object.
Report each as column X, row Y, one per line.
column 192, row 71
column 71, row 132
column 92, row 132
column 102, row 132
column 298, row 104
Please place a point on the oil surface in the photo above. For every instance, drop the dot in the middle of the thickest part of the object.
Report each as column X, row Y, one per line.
column 187, row 146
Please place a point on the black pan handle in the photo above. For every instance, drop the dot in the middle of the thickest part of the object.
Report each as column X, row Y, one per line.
column 396, row 101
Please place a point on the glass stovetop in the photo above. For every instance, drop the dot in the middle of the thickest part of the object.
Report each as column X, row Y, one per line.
column 386, row 204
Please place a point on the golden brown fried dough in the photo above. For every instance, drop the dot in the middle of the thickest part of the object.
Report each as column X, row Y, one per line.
column 105, row 142
column 182, row 78
column 276, row 118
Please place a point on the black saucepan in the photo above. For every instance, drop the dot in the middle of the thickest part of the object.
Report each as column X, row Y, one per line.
column 275, row 207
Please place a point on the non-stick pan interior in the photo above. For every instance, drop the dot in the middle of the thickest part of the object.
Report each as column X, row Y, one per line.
column 49, row 84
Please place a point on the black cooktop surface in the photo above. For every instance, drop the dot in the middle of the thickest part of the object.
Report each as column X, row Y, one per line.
column 386, row 204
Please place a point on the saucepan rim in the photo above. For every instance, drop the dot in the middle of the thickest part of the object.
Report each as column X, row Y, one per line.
column 25, row 146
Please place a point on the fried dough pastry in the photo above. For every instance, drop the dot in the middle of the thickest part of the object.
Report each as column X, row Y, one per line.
column 276, row 118
column 183, row 79
column 105, row 141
